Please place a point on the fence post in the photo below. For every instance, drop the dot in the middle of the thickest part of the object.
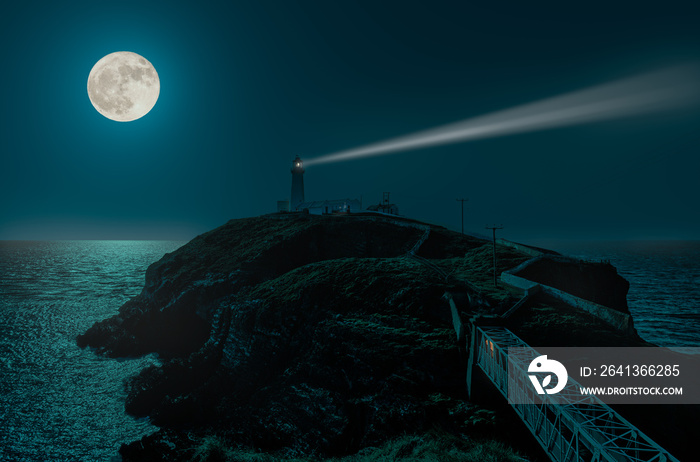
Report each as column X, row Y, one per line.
column 471, row 364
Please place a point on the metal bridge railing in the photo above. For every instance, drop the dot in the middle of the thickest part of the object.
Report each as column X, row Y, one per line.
column 569, row 426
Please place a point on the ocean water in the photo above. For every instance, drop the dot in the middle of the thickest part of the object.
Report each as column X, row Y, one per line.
column 58, row 402
column 664, row 276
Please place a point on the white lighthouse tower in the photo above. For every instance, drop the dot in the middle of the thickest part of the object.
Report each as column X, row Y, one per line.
column 297, row 184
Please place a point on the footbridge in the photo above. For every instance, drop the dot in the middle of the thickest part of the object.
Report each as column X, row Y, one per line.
column 569, row 426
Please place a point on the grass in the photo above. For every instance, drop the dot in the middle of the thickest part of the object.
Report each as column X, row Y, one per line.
column 476, row 267
column 434, row 447
column 429, row 447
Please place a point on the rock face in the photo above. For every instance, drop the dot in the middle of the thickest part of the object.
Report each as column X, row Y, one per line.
column 305, row 335
column 593, row 281
column 174, row 312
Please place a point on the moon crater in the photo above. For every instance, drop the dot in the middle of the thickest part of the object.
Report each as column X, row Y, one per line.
column 123, row 86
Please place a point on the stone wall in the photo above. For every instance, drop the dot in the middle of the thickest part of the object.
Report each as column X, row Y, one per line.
column 618, row 319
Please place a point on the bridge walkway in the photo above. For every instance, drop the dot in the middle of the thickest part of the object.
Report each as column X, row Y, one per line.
column 569, row 426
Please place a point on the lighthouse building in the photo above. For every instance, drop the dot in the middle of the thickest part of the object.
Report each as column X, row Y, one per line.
column 298, row 203
column 297, row 197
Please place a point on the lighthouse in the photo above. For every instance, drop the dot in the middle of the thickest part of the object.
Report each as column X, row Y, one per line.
column 297, row 184
column 298, row 202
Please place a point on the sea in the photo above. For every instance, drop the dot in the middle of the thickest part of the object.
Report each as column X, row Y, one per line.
column 59, row 402
column 62, row 403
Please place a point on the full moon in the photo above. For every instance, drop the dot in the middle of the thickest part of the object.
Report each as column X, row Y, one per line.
column 123, row 86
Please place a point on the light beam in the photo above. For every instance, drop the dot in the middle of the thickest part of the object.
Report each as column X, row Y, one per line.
column 643, row 94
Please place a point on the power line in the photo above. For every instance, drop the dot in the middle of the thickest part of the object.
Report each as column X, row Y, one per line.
column 494, row 228
column 462, row 201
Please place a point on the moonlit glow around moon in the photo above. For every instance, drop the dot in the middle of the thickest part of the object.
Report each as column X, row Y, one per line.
column 123, row 86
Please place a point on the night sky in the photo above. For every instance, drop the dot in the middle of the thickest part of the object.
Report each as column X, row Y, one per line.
column 247, row 86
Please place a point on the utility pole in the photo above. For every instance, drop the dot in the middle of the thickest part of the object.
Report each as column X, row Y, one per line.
column 462, row 201
column 494, row 228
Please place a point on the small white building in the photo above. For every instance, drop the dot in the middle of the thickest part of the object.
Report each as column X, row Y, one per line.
column 331, row 206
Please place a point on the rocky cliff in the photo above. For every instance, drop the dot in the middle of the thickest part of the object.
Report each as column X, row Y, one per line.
column 320, row 336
